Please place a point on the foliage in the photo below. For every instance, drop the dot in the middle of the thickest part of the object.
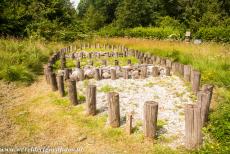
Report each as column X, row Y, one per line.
column 214, row 33
column 22, row 60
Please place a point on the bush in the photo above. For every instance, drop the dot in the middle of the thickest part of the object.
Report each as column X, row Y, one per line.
column 153, row 32
column 218, row 34
column 111, row 31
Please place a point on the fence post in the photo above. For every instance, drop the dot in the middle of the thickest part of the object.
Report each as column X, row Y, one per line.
column 155, row 71
column 196, row 75
column 91, row 100
column 53, row 81
column 129, row 118
column 150, row 118
column 167, row 71
column 60, row 80
column 114, row 109
column 72, row 91
column 97, row 74
column 144, row 72
column 193, row 126
column 187, row 72
column 113, row 74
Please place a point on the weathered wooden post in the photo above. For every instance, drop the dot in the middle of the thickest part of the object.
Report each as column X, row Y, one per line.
column 150, row 118
column 196, row 75
column 181, row 69
column 158, row 60
column 72, row 91
column 78, row 64
column 129, row 118
column 125, row 73
column 60, row 80
column 53, row 81
column 82, row 77
column 187, row 72
column 129, row 62
column 63, row 62
column 163, row 62
column 113, row 74
column 168, row 63
column 91, row 100
column 97, row 74
column 114, row 109
column 116, row 62
column 193, row 126
column 155, row 71
column 144, row 72
column 104, row 62
column 167, row 71
column 91, row 62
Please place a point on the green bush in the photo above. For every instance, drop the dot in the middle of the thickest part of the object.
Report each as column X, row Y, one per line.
column 111, row 31
column 218, row 34
column 17, row 73
column 153, row 32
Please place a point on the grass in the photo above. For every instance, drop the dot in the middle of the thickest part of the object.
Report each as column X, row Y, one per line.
column 106, row 89
column 22, row 60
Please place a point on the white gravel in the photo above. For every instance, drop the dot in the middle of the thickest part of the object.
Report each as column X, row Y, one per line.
column 170, row 92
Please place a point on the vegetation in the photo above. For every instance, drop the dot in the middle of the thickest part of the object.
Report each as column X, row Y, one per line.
column 22, row 60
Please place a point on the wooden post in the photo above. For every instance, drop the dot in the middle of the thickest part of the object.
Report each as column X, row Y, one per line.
column 113, row 74
column 163, row 62
column 114, row 109
column 193, row 126
column 66, row 73
column 78, row 64
column 97, row 74
column 129, row 118
column 158, row 60
column 53, row 81
column 104, row 62
column 144, row 72
column 155, row 71
column 63, row 62
column 91, row 100
column 126, row 73
column 129, row 62
column 181, row 69
column 60, row 80
column 167, row 71
column 116, row 62
column 72, row 91
column 187, row 72
column 150, row 118
column 195, row 81
column 208, row 88
column 168, row 63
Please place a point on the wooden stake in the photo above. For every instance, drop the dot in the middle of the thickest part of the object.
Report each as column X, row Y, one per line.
column 129, row 118
column 60, row 80
column 97, row 74
column 113, row 74
column 155, row 72
column 195, row 81
column 91, row 100
column 114, row 109
column 72, row 91
column 150, row 118
column 187, row 72
column 53, row 81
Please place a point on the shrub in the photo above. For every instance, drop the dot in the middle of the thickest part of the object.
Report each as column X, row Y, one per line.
column 218, row 34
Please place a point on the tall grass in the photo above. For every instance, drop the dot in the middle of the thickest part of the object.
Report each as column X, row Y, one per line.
column 22, row 60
